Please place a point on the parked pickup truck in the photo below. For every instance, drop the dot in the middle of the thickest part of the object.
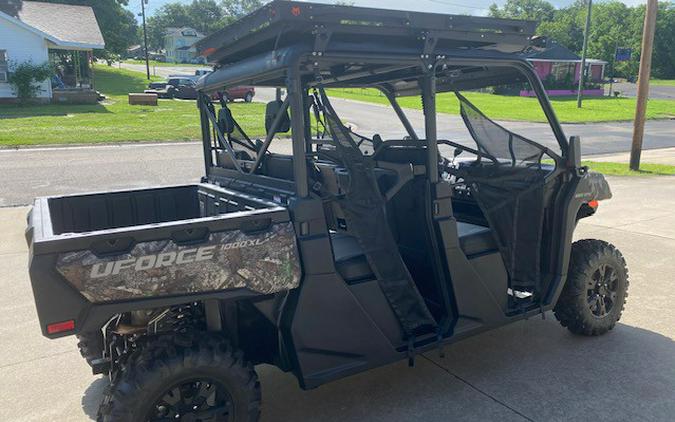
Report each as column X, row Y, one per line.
column 184, row 87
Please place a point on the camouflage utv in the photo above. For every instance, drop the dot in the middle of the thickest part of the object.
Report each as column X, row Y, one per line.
column 343, row 254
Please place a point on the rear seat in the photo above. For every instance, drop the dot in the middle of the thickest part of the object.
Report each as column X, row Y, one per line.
column 352, row 264
column 475, row 239
column 350, row 261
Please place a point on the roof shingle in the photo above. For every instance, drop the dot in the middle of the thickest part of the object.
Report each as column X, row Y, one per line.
column 72, row 25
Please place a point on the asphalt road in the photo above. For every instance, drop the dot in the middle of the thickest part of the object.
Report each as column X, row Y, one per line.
column 530, row 371
column 628, row 89
column 31, row 172
column 162, row 71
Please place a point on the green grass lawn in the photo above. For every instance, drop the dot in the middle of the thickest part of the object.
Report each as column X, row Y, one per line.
column 114, row 120
column 165, row 64
column 663, row 82
column 504, row 107
column 622, row 169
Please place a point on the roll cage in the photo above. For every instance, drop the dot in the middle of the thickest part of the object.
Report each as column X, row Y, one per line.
column 417, row 60
column 388, row 74
column 299, row 46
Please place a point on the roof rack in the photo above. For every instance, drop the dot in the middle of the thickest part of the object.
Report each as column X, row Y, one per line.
column 284, row 23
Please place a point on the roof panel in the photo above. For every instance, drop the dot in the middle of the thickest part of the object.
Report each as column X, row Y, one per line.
column 285, row 23
column 71, row 25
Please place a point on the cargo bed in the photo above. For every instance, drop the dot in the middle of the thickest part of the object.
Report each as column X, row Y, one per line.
column 164, row 245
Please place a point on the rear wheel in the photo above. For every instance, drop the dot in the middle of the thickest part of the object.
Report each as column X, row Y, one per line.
column 593, row 298
column 175, row 379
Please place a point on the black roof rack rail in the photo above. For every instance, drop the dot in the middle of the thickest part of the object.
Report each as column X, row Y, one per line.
column 283, row 23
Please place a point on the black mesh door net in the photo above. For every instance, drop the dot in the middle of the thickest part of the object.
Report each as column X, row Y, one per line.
column 509, row 189
column 364, row 209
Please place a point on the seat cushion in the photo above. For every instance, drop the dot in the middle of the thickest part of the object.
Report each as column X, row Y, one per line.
column 475, row 239
column 350, row 261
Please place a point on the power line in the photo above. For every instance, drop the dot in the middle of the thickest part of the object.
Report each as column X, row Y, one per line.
column 447, row 3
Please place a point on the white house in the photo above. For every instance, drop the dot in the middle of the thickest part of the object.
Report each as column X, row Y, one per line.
column 40, row 31
column 179, row 44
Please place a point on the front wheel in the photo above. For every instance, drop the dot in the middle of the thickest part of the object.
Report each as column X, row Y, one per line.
column 169, row 380
column 595, row 293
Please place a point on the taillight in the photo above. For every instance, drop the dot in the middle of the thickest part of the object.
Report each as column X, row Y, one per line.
column 60, row 327
column 593, row 204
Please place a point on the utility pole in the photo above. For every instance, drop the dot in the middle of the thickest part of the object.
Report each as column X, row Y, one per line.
column 582, row 69
column 643, row 83
column 611, row 78
column 145, row 40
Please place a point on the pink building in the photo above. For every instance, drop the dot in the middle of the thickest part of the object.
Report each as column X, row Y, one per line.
column 558, row 68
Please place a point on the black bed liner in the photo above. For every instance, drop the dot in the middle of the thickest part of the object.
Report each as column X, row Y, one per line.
column 283, row 23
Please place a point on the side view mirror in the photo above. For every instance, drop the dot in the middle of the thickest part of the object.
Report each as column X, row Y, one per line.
column 271, row 110
column 574, row 152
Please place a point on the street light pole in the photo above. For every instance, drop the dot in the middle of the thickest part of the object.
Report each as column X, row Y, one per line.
column 145, row 40
column 582, row 69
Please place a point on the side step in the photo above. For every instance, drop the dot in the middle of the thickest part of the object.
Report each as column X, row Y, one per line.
column 519, row 294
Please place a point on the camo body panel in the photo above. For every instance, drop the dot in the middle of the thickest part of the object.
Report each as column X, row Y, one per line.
column 593, row 186
column 265, row 262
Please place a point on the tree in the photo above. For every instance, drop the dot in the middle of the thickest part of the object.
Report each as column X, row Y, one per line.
column 611, row 28
column 118, row 25
column 538, row 10
column 171, row 15
column 615, row 25
column 663, row 60
column 206, row 16
column 239, row 8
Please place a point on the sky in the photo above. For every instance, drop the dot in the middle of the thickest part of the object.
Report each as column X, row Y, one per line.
column 471, row 7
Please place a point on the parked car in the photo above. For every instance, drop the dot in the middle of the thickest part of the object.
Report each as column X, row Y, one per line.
column 157, row 85
column 175, row 87
column 201, row 72
column 245, row 93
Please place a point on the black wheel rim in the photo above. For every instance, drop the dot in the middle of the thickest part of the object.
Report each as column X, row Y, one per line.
column 201, row 400
column 602, row 290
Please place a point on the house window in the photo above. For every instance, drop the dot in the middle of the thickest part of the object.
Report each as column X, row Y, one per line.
column 563, row 71
column 3, row 66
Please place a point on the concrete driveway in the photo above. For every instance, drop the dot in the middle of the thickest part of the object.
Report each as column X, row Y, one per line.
column 529, row 371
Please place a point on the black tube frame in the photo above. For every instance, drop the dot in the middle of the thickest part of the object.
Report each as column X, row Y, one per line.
column 401, row 114
column 300, row 76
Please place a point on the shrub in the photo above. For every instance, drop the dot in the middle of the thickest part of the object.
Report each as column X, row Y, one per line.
column 26, row 77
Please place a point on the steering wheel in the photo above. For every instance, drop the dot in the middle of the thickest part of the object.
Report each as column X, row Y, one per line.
column 477, row 153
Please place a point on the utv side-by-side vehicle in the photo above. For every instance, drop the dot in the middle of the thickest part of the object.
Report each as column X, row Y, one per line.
column 347, row 252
